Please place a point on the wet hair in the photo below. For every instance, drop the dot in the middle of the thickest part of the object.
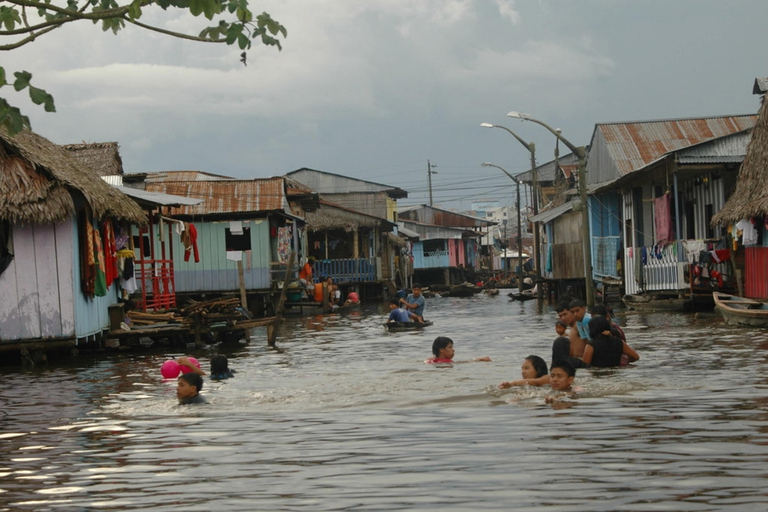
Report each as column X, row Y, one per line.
column 539, row 365
column 561, row 350
column 219, row 365
column 440, row 343
column 597, row 325
column 394, row 302
column 577, row 303
column 565, row 366
column 416, row 285
column 192, row 379
column 560, row 323
column 600, row 310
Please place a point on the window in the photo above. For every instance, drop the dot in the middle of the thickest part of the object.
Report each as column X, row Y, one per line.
column 238, row 242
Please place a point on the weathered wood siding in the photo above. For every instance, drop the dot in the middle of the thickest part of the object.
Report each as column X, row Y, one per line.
column 37, row 291
column 567, row 252
column 215, row 272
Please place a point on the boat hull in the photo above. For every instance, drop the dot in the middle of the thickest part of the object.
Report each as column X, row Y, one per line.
column 406, row 326
column 655, row 302
column 740, row 311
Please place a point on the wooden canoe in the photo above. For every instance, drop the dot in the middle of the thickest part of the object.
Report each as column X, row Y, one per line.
column 406, row 326
column 741, row 311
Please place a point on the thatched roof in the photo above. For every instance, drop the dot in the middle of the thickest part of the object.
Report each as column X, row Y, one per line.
column 333, row 216
column 102, row 157
column 750, row 198
column 38, row 180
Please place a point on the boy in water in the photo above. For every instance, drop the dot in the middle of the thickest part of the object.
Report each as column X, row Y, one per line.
column 415, row 301
column 579, row 309
column 561, row 375
column 398, row 314
column 442, row 349
column 188, row 389
column 560, row 328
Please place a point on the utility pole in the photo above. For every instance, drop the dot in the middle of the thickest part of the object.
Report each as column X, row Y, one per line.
column 430, row 172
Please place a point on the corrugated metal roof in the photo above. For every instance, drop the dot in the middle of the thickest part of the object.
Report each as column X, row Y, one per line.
column 731, row 149
column 761, row 86
column 157, row 199
column 546, row 172
column 634, row 145
column 554, row 213
column 226, row 196
column 154, row 177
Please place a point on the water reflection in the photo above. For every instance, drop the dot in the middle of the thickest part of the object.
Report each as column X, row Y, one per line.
column 345, row 415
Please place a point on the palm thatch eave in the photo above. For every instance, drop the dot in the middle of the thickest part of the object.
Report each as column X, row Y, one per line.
column 38, row 180
column 750, row 199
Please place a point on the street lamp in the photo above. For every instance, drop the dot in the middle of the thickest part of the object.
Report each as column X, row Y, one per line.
column 519, row 245
column 531, row 147
column 581, row 153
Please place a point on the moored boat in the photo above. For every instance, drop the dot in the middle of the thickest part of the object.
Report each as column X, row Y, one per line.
column 741, row 311
column 656, row 301
column 406, row 326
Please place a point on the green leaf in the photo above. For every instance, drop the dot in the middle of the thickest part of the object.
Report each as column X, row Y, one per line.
column 196, row 7
column 40, row 97
column 22, row 80
column 2, row 77
column 11, row 118
column 243, row 42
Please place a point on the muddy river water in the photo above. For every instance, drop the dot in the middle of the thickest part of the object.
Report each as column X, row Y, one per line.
column 345, row 416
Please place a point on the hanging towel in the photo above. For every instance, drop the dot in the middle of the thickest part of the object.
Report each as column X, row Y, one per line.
column 748, row 230
column 663, row 220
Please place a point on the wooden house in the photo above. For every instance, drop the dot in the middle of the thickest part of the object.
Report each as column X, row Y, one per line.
column 244, row 231
column 448, row 244
column 654, row 188
column 749, row 204
column 53, row 213
column 345, row 196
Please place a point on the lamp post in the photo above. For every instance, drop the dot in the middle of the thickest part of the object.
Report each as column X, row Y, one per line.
column 531, row 147
column 519, row 245
column 581, row 153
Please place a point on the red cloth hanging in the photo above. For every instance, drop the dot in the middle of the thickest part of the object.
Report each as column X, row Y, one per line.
column 189, row 239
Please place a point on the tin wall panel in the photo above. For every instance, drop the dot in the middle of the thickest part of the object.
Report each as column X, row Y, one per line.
column 756, row 272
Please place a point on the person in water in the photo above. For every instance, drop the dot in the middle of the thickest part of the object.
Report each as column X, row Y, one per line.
column 415, row 302
column 561, row 376
column 603, row 310
column 443, row 352
column 605, row 349
column 534, row 372
column 565, row 315
column 579, row 309
column 352, row 298
column 560, row 328
column 398, row 314
column 188, row 389
column 184, row 361
column 220, row 368
column 561, row 353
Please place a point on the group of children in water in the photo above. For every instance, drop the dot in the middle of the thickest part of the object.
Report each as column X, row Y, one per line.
column 189, row 385
column 583, row 341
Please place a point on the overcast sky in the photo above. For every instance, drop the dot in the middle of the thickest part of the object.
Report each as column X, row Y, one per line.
column 375, row 88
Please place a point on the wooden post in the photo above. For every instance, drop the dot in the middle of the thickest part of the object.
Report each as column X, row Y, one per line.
column 241, row 281
column 272, row 329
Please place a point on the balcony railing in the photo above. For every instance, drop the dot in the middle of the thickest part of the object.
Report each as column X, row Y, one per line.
column 352, row 270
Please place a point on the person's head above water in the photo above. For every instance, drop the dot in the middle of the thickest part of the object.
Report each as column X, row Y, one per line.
column 598, row 325
column 219, row 364
column 579, row 308
column 188, row 385
column 561, row 375
column 564, row 313
column 442, row 346
column 394, row 304
column 534, row 367
column 416, row 290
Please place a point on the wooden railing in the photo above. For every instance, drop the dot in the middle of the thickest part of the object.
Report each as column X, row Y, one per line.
column 352, row 270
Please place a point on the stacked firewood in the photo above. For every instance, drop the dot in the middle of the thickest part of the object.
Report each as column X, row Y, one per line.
column 214, row 310
column 142, row 318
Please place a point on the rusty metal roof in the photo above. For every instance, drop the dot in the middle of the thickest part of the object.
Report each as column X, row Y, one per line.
column 153, row 177
column 226, row 196
column 633, row 145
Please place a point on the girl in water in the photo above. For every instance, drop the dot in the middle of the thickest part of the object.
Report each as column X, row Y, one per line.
column 606, row 350
column 534, row 372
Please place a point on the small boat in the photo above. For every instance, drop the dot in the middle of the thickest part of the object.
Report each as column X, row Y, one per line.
column 656, row 301
column 341, row 310
column 525, row 295
column 741, row 311
column 406, row 326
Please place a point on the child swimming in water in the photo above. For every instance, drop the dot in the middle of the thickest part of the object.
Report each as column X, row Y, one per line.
column 560, row 328
column 561, row 376
column 188, row 389
column 443, row 351
column 534, row 372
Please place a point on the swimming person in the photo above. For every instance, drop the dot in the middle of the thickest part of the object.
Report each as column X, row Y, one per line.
column 220, row 368
column 561, row 352
column 415, row 302
column 565, row 315
column 443, row 352
column 605, row 349
column 184, row 361
column 561, row 376
column 560, row 328
column 188, row 389
column 534, row 372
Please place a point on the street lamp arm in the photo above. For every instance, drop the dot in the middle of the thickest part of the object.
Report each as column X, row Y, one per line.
column 579, row 152
column 488, row 164
column 528, row 146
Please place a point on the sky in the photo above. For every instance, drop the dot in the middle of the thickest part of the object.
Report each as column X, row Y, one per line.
column 374, row 89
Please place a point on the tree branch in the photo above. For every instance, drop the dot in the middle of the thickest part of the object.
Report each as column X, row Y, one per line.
column 174, row 34
column 98, row 15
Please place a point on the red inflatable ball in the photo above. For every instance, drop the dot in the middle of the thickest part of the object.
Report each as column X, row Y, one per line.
column 170, row 369
column 187, row 369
